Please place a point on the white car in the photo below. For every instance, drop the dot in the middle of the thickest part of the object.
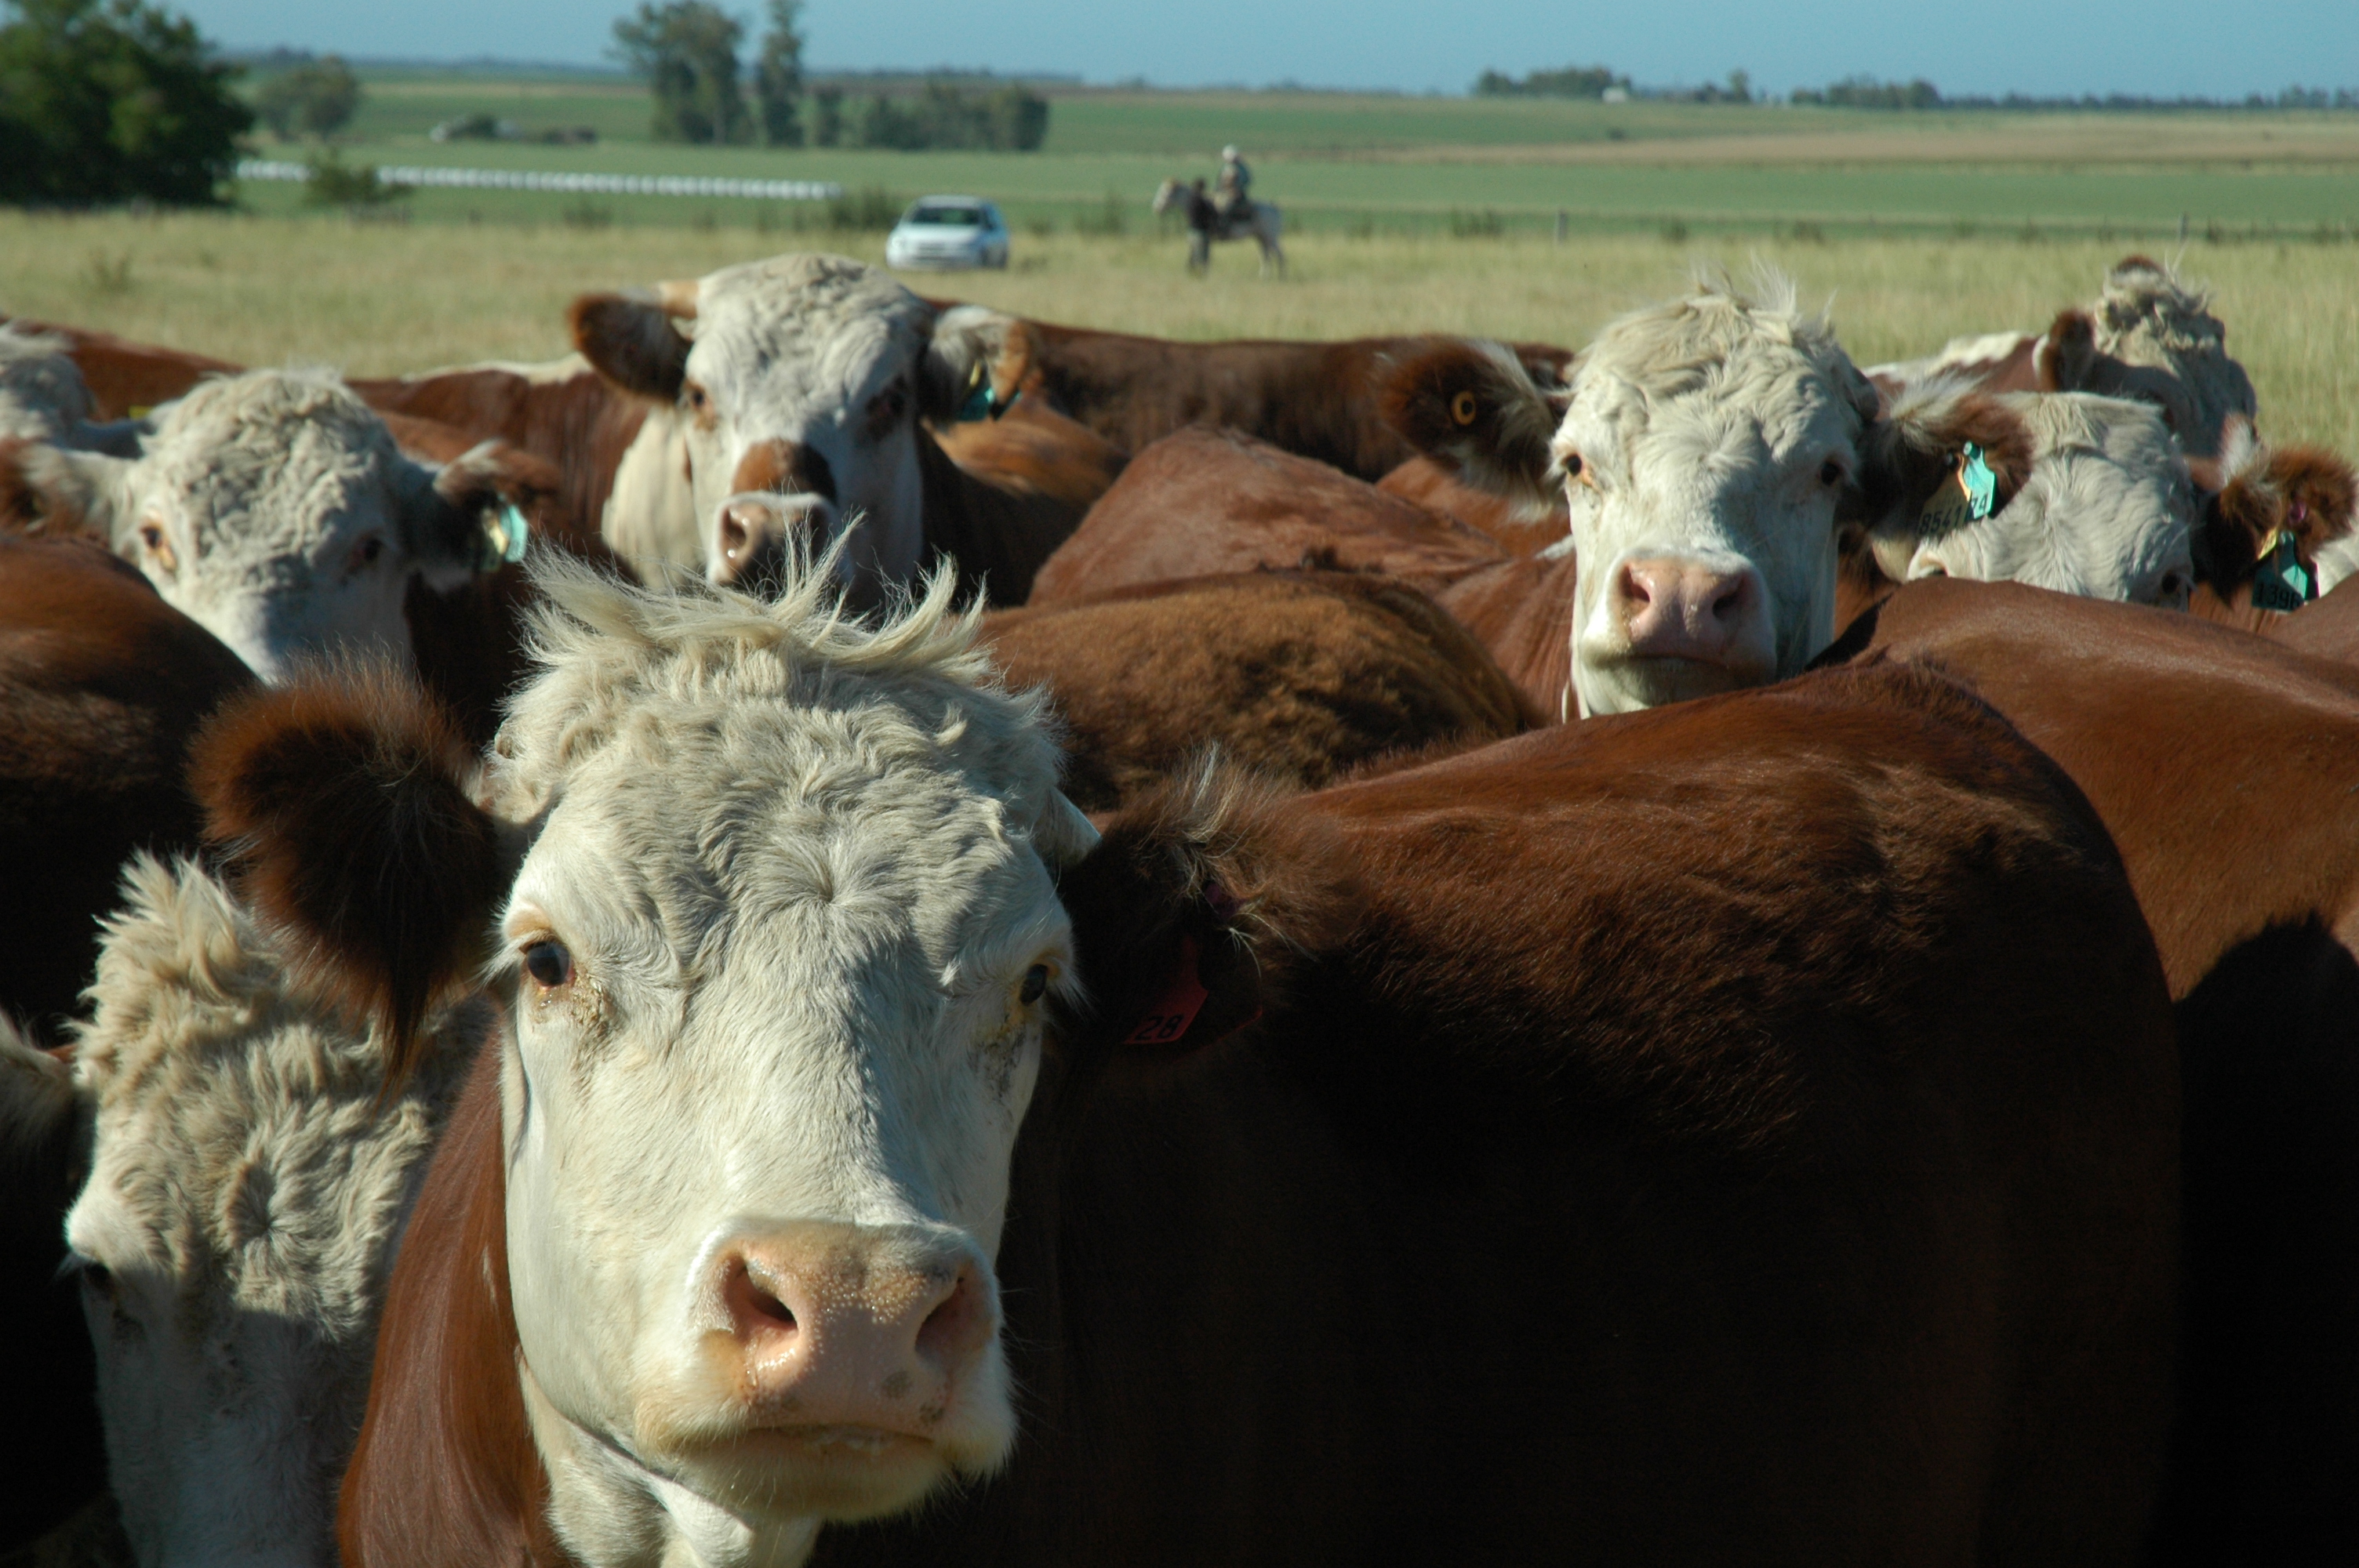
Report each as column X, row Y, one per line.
column 948, row 231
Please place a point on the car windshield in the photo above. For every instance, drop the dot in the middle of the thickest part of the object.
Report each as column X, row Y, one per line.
column 947, row 217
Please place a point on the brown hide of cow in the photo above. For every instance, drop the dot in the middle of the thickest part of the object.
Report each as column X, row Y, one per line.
column 997, row 535
column 1315, row 399
column 2223, row 769
column 1033, row 449
column 1424, row 483
column 1301, row 676
column 126, row 378
column 1829, row 1251
column 579, row 425
column 1206, row 502
column 102, row 684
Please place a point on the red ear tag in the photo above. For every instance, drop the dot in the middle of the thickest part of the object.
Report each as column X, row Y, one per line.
column 1170, row 1015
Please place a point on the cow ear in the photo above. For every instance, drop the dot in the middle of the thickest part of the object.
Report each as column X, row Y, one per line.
column 476, row 514
column 51, row 492
column 36, row 1091
column 2321, row 494
column 2066, row 358
column 632, row 342
column 1195, row 907
column 1471, row 407
column 960, row 378
column 1914, row 448
column 345, row 802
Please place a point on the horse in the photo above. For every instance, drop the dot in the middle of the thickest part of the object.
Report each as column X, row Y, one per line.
column 1259, row 221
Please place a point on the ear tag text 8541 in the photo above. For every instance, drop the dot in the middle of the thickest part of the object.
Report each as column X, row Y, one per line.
column 1969, row 494
column 2281, row 583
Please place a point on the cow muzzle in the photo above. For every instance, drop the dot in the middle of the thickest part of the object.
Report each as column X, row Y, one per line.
column 1671, row 626
column 852, row 1338
column 759, row 535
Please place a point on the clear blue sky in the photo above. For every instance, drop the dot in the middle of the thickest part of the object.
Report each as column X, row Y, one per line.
column 2046, row 46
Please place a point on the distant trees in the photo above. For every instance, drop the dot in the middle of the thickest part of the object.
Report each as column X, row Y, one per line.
column 1011, row 119
column 113, row 100
column 316, row 98
column 1866, row 92
column 778, row 76
column 687, row 50
column 1572, row 82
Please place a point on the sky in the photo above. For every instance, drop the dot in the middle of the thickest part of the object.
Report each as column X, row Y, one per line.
column 2040, row 46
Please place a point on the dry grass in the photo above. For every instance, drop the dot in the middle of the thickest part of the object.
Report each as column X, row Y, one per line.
column 381, row 299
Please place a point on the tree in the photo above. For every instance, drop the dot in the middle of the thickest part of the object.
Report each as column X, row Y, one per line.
column 316, row 98
column 687, row 50
column 778, row 76
column 826, row 117
column 113, row 102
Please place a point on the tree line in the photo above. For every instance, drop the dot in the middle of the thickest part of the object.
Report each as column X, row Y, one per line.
column 1598, row 82
column 687, row 51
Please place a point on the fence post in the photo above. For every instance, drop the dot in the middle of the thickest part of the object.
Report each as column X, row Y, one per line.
column 1564, row 224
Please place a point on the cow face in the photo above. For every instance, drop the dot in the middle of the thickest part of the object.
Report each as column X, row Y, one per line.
column 1706, row 447
column 2152, row 339
column 231, row 1241
column 780, row 944
column 2089, row 495
column 799, row 386
column 274, row 510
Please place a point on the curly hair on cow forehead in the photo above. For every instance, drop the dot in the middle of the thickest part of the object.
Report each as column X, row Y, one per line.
column 1715, row 330
column 607, row 651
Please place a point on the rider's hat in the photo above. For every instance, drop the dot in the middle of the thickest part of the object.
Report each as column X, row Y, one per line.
column 1229, row 155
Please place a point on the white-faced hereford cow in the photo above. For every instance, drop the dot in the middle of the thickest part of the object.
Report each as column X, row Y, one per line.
column 250, row 1170
column 871, row 1140
column 2148, row 336
column 274, row 509
column 802, row 383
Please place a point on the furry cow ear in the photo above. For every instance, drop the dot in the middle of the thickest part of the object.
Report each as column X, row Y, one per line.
column 1193, row 907
column 345, row 802
column 632, row 342
column 479, row 511
column 37, row 1090
column 1910, row 452
column 2252, row 491
column 2066, row 360
column 960, row 378
column 1472, row 408
column 47, row 492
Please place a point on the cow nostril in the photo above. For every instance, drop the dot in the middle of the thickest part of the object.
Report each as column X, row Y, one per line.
column 733, row 534
column 1729, row 602
column 756, row 1308
column 958, row 1327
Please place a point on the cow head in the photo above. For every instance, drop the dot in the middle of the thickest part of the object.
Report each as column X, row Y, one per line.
column 2257, row 499
column 1703, row 447
column 2088, row 495
column 247, row 1180
column 800, row 380
column 274, row 510
column 2151, row 337
column 770, row 892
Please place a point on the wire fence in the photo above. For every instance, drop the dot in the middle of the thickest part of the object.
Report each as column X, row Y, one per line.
column 583, row 184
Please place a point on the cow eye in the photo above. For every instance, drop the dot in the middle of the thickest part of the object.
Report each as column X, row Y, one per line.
column 1036, row 984
column 886, row 409
column 549, row 964
column 151, row 535
column 1572, row 465
column 696, row 398
column 1830, row 472
column 1462, row 407
column 365, row 553
column 93, row 1276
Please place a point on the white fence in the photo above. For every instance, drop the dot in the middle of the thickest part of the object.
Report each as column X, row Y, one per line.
column 582, row 184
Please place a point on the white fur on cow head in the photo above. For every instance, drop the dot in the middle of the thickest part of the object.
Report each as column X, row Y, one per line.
column 2151, row 337
column 779, row 950
column 2094, row 498
column 800, row 380
column 274, row 510
column 246, row 1191
column 1707, row 444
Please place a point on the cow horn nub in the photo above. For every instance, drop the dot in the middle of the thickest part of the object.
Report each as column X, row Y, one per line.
column 677, row 297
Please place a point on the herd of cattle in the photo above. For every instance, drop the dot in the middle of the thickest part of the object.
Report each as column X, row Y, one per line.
column 845, row 928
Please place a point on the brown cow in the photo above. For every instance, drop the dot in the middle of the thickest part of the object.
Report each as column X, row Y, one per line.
column 1299, row 677
column 102, row 684
column 2224, row 768
column 1317, row 399
column 1522, row 526
column 1831, row 1251
column 127, row 379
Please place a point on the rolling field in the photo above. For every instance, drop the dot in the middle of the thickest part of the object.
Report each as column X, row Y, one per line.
column 375, row 298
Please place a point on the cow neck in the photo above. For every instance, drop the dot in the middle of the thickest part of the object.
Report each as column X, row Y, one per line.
column 1521, row 609
column 992, row 535
column 446, row 1472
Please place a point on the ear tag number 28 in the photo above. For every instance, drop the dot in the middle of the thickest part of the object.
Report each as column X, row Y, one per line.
column 1969, row 494
column 2281, row 583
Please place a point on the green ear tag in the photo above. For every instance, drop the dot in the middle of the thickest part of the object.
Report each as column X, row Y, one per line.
column 980, row 404
column 506, row 534
column 2280, row 583
column 1980, row 485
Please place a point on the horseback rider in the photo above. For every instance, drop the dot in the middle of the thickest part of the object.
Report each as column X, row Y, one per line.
column 1231, row 201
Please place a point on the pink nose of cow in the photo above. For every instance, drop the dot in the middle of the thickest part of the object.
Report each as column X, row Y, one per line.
column 838, row 1327
column 1685, row 608
column 754, row 538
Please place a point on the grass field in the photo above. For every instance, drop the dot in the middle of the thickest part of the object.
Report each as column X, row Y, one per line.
column 375, row 298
